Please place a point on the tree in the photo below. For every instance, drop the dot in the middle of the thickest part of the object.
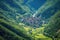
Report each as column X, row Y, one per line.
column 53, row 27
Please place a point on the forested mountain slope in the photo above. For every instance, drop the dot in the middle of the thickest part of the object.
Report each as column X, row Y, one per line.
column 29, row 19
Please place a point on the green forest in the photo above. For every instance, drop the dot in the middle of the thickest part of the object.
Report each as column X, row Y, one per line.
column 18, row 22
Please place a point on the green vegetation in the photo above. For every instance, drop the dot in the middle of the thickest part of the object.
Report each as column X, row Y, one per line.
column 20, row 21
column 53, row 28
column 19, row 30
column 13, row 31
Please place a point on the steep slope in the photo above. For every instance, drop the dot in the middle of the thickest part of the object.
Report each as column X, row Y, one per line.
column 53, row 28
column 29, row 19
